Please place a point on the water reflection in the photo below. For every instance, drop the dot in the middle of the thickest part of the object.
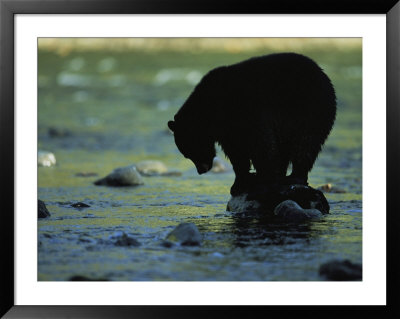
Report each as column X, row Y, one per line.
column 257, row 229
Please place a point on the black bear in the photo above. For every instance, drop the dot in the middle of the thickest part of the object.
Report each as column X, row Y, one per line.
column 267, row 111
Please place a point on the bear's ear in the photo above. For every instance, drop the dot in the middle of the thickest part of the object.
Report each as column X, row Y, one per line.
column 171, row 125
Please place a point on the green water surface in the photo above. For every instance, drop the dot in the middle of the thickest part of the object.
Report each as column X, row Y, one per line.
column 111, row 109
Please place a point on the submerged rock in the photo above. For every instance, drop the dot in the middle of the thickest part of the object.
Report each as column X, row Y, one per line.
column 46, row 159
column 289, row 202
column 341, row 270
column 58, row 132
column 290, row 211
column 42, row 210
column 185, row 234
column 151, row 168
column 122, row 239
column 122, row 176
column 219, row 166
column 79, row 205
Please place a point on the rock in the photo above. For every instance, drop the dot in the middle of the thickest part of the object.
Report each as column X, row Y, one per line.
column 122, row 176
column 290, row 211
column 241, row 204
column 328, row 188
column 42, row 210
column 57, row 132
column 267, row 199
column 341, row 270
column 151, row 168
column 46, row 159
column 122, row 239
column 219, row 166
column 79, row 205
column 186, row 234
column 86, row 174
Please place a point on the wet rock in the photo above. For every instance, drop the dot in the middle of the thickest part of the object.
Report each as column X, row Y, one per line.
column 151, row 168
column 166, row 244
column 220, row 166
column 46, row 159
column 122, row 176
column 86, row 174
column 80, row 205
column 186, row 234
column 328, row 188
column 241, row 204
column 58, row 132
column 42, row 210
column 290, row 211
column 341, row 270
column 84, row 278
column 122, row 239
column 266, row 200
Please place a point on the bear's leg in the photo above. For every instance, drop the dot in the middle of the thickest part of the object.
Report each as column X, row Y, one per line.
column 240, row 161
column 243, row 178
column 303, row 159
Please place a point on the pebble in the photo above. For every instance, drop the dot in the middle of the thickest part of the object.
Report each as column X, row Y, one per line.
column 57, row 132
column 42, row 210
column 151, row 168
column 122, row 239
column 80, row 205
column 341, row 270
column 328, row 188
column 186, row 234
column 290, row 211
column 122, row 176
column 46, row 159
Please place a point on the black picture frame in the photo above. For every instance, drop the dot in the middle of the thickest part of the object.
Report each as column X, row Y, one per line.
column 8, row 10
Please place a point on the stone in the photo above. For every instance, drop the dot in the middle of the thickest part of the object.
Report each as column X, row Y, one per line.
column 58, row 132
column 151, row 168
column 185, row 234
column 266, row 200
column 79, row 205
column 122, row 176
column 290, row 211
column 122, row 239
column 341, row 270
column 241, row 204
column 46, row 159
column 219, row 166
column 42, row 210
column 328, row 188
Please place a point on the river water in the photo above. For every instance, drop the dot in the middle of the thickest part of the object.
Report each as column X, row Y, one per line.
column 99, row 110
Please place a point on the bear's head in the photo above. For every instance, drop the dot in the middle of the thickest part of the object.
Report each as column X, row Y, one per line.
column 194, row 145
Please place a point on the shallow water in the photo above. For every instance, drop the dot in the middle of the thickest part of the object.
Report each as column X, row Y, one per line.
column 112, row 110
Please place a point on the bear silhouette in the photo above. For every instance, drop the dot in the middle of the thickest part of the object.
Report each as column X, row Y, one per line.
column 267, row 111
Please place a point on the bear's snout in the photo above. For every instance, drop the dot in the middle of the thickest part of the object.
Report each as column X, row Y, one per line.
column 202, row 168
